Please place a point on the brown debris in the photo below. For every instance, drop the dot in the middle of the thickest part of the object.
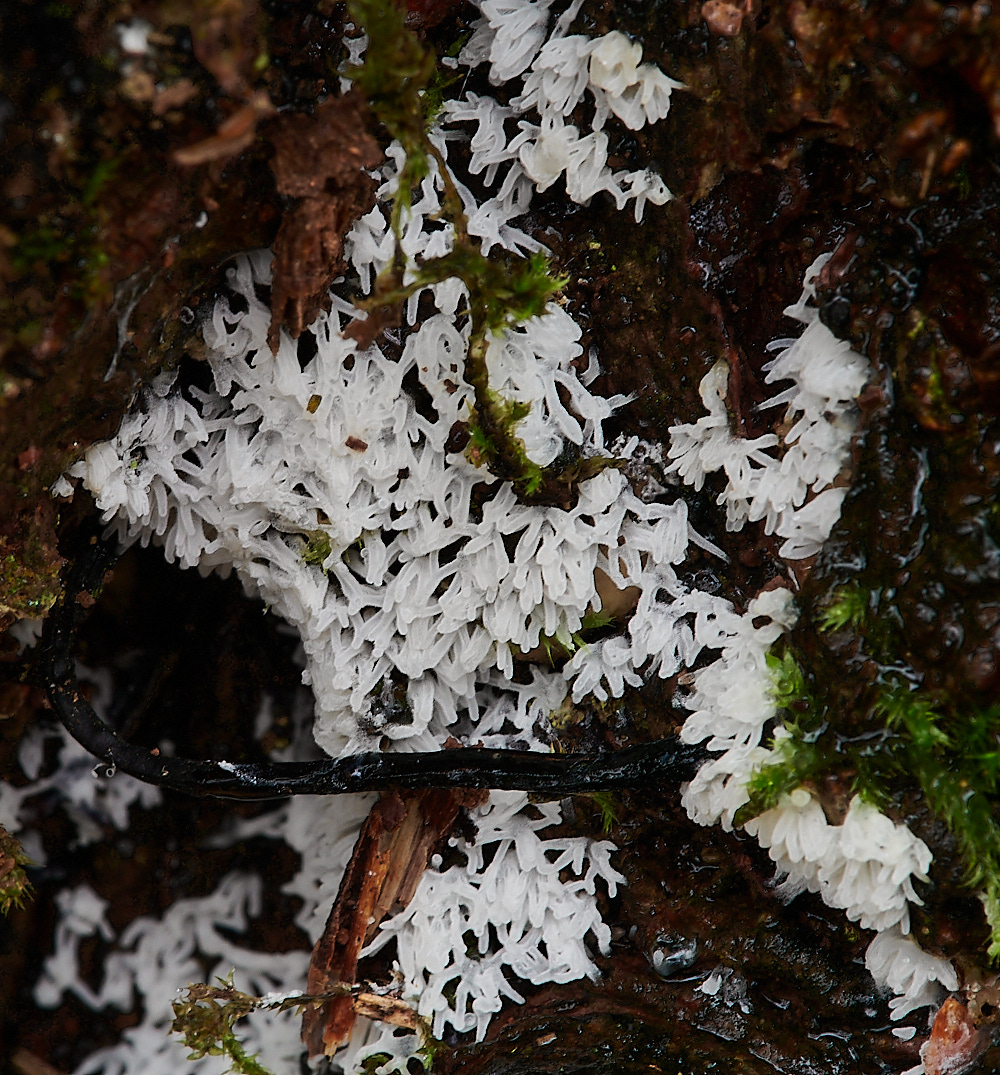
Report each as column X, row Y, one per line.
column 26, row 1063
column 233, row 136
column 423, row 15
column 173, row 96
column 226, row 38
column 365, row 330
column 385, row 1010
column 955, row 1043
column 723, row 17
column 320, row 159
column 392, row 851
column 29, row 556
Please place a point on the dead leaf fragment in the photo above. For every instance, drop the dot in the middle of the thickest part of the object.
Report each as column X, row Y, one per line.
column 227, row 39
column 175, row 95
column 365, row 330
column 25, row 1063
column 722, row 17
column 322, row 160
column 386, row 1010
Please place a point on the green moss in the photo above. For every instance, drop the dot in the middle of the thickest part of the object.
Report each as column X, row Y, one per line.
column 396, row 71
column 951, row 754
column 204, row 1019
column 788, row 686
column 24, row 590
column 104, row 171
column 958, row 766
column 317, row 548
column 847, row 608
column 14, row 885
column 72, row 253
column 606, row 803
column 371, row 1064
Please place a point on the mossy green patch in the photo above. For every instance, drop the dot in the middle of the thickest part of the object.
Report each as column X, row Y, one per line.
column 846, row 609
column 317, row 548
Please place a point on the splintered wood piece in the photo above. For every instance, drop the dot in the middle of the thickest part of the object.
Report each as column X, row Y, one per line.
column 392, row 851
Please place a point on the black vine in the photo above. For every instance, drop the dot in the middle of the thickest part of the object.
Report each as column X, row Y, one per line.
column 666, row 760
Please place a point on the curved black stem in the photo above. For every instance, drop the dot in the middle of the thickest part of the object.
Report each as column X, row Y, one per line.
column 667, row 760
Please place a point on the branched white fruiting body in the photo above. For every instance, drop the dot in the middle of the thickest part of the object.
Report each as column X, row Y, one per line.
column 899, row 964
column 732, row 704
column 282, row 461
column 526, row 921
column 416, row 577
column 153, row 960
column 772, row 480
column 433, row 571
column 866, row 866
column 558, row 72
column 429, row 568
column 90, row 800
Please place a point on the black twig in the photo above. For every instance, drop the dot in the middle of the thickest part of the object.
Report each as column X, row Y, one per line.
column 661, row 762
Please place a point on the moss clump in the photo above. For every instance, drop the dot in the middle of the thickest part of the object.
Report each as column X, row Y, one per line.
column 205, row 1018
column 25, row 590
column 800, row 760
column 609, row 808
column 952, row 755
column 317, row 548
column 958, row 766
column 395, row 77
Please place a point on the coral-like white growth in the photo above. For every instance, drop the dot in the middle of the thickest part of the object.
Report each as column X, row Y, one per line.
column 866, row 866
column 526, row 921
column 827, row 376
column 91, row 804
column 732, row 703
column 558, row 72
column 917, row 979
column 316, row 475
column 333, row 496
column 153, row 959
column 353, row 521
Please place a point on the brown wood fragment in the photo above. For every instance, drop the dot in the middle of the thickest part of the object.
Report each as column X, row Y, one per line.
column 386, row 1010
column 234, row 134
column 26, row 1063
column 322, row 160
column 392, row 851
